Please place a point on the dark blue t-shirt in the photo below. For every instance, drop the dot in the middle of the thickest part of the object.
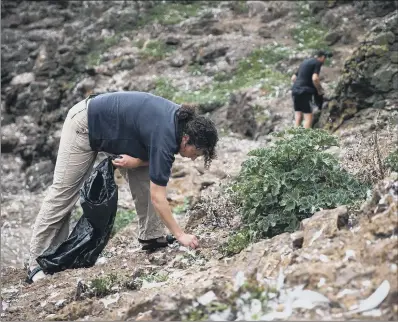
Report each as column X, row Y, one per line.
column 138, row 124
column 303, row 83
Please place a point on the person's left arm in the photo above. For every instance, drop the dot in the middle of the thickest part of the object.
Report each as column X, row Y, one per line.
column 126, row 161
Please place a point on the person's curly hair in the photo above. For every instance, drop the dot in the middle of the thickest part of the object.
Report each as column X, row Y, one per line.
column 201, row 130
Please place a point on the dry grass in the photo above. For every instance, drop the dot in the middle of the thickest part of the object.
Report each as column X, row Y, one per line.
column 366, row 157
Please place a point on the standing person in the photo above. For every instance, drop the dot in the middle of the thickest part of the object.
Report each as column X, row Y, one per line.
column 146, row 131
column 306, row 85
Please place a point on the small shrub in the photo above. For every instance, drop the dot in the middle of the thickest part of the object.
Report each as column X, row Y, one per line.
column 289, row 181
column 237, row 242
column 101, row 286
column 392, row 161
column 181, row 209
column 164, row 88
column 369, row 155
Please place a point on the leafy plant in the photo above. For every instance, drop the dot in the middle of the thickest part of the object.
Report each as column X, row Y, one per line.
column 101, row 286
column 392, row 161
column 238, row 241
column 180, row 209
column 289, row 181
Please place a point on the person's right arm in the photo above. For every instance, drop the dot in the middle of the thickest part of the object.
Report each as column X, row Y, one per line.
column 317, row 83
column 162, row 207
column 315, row 78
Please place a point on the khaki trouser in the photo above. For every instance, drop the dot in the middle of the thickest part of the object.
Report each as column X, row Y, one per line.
column 75, row 161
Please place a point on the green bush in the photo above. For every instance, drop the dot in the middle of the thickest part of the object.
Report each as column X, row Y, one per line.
column 392, row 161
column 237, row 242
column 289, row 181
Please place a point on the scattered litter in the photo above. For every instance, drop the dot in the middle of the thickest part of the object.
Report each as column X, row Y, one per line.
column 280, row 281
column 323, row 258
column 346, row 292
column 10, row 290
column 220, row 316
column 101, row 260
column 375, row 299
column 4, row 305
column 373, row 313
column 60, row 303
column 321, row 282
column 393, row 268
column 316, row 236
column 207, row 298
column 308, row 299
column 110, row 299
column 255, row 307
column 349, row 254
column 43, row 304
column 239, row 280
column 366, row 283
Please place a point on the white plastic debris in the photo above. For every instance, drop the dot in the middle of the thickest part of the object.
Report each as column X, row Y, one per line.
column 207, row 298
column 393, row 268
column 220, row 316
column 4, row 305
column 110, row 299
column 323, row 258
column 349, row 254
column 373, row 313
column 60, row 303
column 239, row 280
column 316, row 236
column 9, row 290
column 346, row 292
column 321, row 282
column 375, row 299
column 101, row 260
column 255, row 307
column 307, row 299
column 280, row 281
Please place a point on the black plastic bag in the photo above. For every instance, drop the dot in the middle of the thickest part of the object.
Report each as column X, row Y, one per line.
column 98, row 198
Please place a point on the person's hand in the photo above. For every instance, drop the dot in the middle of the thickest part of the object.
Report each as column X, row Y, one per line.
column 126, row 161
column 188, row 240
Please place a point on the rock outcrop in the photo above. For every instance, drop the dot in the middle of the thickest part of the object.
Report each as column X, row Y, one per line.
column 369, row 78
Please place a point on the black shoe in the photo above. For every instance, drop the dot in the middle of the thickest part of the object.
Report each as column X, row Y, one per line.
column 155, row 243
column 31, row 273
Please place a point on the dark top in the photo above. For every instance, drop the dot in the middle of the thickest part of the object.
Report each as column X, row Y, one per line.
column 138, row 124
column 303, row 83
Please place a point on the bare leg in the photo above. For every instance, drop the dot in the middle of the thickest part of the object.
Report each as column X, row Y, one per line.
column 307, row 120
column 298, row 116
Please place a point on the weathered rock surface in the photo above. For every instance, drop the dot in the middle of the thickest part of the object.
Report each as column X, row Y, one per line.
column 369, row 78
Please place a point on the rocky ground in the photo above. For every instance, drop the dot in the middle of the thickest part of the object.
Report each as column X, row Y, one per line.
column 75, row 48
